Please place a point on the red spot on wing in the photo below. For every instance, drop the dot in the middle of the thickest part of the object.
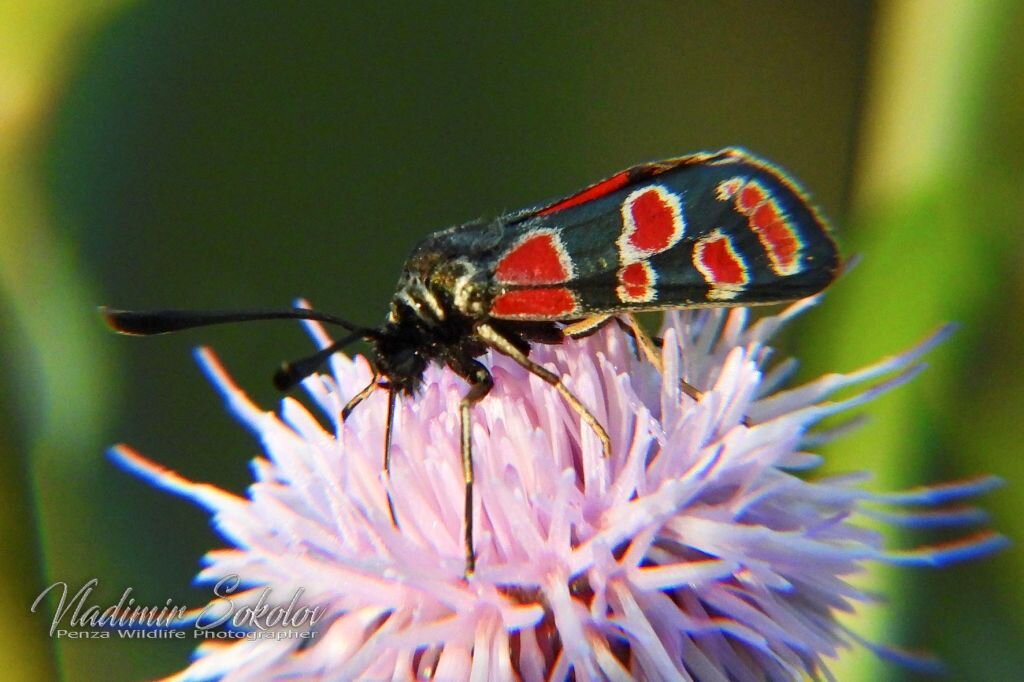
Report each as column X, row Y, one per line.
column 780, row 241
column 636, row 283
column 728, row 188
column 654, row 222
column 615, row 182
column 549, row 302
column 635, row 275
column 718, row 261
column 765, row 215
column 538, row 259
column 750, row 197
column 782, row 244
column 777, row 236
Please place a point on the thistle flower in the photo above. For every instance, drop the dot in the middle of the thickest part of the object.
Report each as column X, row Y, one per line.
column 703, row 549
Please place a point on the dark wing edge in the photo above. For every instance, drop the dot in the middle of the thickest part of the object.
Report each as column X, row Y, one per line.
column 640, row 172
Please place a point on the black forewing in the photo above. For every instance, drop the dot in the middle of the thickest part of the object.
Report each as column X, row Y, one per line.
column 590, row 221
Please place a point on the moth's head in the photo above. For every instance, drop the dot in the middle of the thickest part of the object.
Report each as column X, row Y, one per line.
column 398, row 355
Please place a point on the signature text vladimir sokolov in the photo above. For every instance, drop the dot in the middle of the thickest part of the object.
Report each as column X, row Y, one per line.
column 255, row 616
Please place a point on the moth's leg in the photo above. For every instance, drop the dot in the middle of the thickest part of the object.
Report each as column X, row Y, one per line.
column 646, row 346
column 388, row 428
column 366, row 392
column 480, row 384
column 503, row 345
column 361, row 396
column 649, row 348
column 691, row 390
column 586, row 326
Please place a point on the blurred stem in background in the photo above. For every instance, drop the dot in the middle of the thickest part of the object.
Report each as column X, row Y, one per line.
column 933, row 212
column 53, row 365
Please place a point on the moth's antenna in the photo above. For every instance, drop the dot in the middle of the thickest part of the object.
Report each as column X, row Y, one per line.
column 292, row 373
column 149, row 322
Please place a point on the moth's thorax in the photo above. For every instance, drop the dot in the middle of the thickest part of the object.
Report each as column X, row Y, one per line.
column 436, row 287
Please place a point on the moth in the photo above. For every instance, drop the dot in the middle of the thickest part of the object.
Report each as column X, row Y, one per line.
column 708, row 229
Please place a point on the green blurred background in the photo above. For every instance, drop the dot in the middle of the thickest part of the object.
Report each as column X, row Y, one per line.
column 198, row 154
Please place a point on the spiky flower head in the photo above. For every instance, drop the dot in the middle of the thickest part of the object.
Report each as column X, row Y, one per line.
column 705, row 548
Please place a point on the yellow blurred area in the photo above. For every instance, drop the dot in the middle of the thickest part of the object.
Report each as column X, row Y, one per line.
column 57, row 407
